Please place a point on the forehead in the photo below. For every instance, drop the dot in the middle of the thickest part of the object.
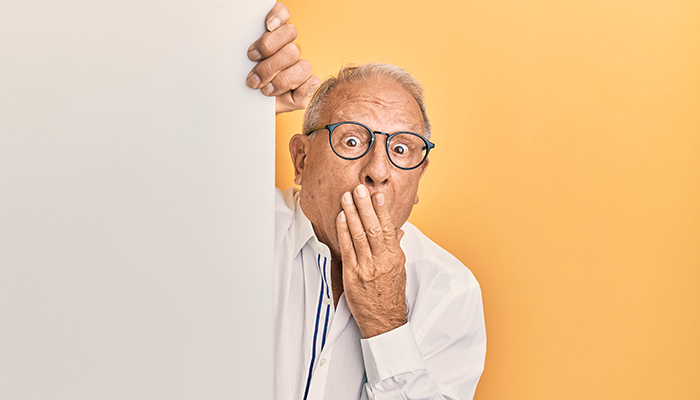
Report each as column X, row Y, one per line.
column 379, row 102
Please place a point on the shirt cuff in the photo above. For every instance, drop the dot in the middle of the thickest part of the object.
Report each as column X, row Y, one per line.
column 391, row 353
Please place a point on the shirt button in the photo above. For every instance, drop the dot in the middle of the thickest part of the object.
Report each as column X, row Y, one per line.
column 323, row 361
column 326, row 300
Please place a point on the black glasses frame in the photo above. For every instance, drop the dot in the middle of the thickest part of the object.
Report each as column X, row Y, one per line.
column 428, row 144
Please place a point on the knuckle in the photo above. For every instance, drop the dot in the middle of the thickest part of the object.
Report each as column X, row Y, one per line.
column 374, row 231
column 388, row 229
column 384, row 216
column 383, row 213
column 387, row 224
column 305, row 68
column 297, row 74
column 359, row 236
column 345, row 244
column 264, row 70
column 292, row 51
column 296, row 68
column 282, row 83
column 265, row 45
column 290, row 31
column 367, row 274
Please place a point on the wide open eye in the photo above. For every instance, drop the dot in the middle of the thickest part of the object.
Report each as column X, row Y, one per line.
column 351, row 141
column 400, row 149
column 406, row 149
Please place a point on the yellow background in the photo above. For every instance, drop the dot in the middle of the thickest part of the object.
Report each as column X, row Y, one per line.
column 566, row 175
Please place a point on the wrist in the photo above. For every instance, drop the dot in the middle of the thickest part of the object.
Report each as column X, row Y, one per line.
column 378, row 326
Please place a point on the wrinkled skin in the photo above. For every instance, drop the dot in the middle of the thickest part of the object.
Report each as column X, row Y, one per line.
column 367, row 262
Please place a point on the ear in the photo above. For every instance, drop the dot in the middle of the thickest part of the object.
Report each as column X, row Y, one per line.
column 298, row 149
column 423, row 167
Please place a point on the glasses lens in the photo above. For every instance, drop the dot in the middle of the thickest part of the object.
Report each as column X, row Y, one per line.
column 350, row 140
column 407, row 150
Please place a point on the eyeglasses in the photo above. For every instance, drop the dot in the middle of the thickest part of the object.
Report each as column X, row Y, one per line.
column 352, row 140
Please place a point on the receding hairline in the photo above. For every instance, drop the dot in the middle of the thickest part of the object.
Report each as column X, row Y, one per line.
column 331, row 113
column 350, row 74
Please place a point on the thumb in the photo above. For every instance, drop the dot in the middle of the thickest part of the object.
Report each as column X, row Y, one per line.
column 399, row 234
column 298, row 98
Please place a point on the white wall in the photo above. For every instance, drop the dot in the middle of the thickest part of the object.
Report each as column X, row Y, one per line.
column 136, row 190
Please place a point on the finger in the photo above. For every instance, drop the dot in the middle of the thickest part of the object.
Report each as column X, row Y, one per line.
column 347, row 251
column 363, row 252
column 291, row 78
column 271, row 42
column 399, row 234
column 278, row 16
column 299, row 98
column 266, row 70
column 387, row 225
column 373, row 228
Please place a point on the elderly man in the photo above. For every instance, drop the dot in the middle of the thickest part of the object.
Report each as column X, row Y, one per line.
column 366, row 306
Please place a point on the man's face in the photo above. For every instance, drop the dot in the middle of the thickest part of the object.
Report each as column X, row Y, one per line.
column 383, row 105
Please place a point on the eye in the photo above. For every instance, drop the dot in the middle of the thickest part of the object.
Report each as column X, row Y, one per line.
column 400, row 149
column 351, row 141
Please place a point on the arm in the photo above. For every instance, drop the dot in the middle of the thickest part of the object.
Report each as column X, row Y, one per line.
column 280, row 71
column 443, row 357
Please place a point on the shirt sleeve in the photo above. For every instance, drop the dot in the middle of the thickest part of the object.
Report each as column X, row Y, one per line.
column 443, row 358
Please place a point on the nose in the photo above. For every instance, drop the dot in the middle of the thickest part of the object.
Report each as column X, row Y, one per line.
column 377, row 167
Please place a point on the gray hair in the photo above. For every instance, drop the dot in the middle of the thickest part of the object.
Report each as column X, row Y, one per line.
column 354, row 73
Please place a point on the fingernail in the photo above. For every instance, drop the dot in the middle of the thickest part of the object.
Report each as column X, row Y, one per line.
column 362, row 191
column 313, row 89
column 268, row 89
column 253, row 80
column 273, row 24
column 380, row 199
column 254, row 54
column 342, row 216
column 347, row 198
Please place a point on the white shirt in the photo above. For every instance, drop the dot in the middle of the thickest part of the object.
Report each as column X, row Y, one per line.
column 319, row 351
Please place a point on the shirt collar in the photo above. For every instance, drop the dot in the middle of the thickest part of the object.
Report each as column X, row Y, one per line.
column 305, row 231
